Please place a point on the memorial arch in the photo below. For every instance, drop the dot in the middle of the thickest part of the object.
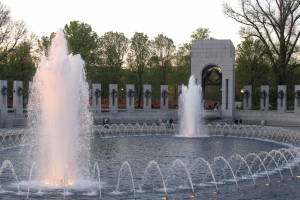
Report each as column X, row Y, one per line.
column 218, row 57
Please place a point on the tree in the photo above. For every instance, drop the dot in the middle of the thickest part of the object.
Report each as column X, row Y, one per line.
column 20, row 63
column 16, row 61
column 162, row 53
column 4, row 15
column 252, row 67
column 138, row 57
column 201, row 34
column 44, row 44
column 251, row 63
column 15, row 32
column 82, row 40
column 276, row 24
column 114, row 46
column 12, row 33
column 183, row 55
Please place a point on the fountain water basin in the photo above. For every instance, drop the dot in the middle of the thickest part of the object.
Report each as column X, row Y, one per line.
column 160, row 166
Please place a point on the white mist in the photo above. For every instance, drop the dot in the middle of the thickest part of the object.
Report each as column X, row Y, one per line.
column 190, row 109
column 59, row 115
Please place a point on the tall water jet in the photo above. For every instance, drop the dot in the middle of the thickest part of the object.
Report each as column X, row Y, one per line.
column 190, row 109
column 59, row 115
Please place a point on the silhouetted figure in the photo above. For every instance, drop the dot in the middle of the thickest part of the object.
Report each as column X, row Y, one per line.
column 170, row 123
column 106, row 122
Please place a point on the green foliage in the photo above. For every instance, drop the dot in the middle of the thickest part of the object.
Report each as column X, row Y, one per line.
column 83, row 40
column 114, row 46
column 252, row 66
column 162, row 54
column 44, row 44
column 139, row 52
column 201, row 34
column 17, row 65
column 162, row 49
column 183, row 55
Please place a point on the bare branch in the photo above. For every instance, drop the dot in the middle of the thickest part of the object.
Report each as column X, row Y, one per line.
column 275, row 23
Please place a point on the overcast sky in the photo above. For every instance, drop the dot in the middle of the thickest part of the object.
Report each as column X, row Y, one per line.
column 174, row 18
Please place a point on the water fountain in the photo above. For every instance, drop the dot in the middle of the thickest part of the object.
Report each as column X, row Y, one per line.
column 132, row 167
column 190, row 109
column 59, row 115
column 190, row 173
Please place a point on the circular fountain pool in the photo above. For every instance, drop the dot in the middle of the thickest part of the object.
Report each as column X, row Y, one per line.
column 151, row 167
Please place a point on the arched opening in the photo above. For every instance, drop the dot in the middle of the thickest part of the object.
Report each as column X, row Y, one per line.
column 212, row 87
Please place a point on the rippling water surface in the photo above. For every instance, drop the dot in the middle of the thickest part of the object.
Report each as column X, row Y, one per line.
column 111, row 153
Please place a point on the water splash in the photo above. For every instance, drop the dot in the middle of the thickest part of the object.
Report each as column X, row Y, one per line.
column 180, row 163
column 153, row 163
column 33, row 166
column 125, row 164
column 59, row 114
column 96, row 169
column 7, row 164
column 190, row 109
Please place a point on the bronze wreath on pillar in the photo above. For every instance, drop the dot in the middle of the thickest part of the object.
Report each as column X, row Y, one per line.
column 130, row 93
column 97, row 93
column 148, row 93
column 297, row 94
column 4, row 90
column 164, row 95
column 246, row 94
column 20, row 91
column 114, row 94
column 263, row 94
column 280, row 94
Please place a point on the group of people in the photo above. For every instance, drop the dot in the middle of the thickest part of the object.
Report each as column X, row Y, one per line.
column 238, row 121
column 167, row 122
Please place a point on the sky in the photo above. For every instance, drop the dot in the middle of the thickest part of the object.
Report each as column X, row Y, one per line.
column 175, row 18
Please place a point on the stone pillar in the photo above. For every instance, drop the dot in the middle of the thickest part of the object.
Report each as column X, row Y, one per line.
column 164, row 97
column 264, row 97
column 29, row 93
column 96, row 98
column 228, row 93
column 18, row 97
column 3, row 100
column 297, row 99
column 130, row 93
column 147, row 97
column 247, row 97
column 281, row 98
column 113, row 97
column 179, row 91
column 29, row 87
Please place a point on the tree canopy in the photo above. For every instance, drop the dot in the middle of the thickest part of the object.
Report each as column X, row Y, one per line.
column 276, row 25
column 82, row 40
column 114, row 46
